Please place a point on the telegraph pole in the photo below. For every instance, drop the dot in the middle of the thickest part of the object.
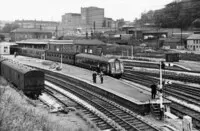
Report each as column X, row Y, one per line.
column 161, row 86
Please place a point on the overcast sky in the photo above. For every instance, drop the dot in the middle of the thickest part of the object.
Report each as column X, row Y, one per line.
column 54, row 9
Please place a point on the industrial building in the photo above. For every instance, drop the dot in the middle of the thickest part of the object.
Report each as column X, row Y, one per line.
column 92, row 16
column 71, row 20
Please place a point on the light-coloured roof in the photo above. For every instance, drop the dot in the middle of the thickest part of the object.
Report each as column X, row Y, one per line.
column 7, row 43
column 33, row 41
column 194, row 37
column 61, row 42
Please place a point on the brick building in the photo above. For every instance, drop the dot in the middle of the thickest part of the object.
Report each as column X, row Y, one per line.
column 32, row 33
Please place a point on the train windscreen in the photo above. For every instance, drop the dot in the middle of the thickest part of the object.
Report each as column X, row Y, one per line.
column 117, row 66
column 122, row 67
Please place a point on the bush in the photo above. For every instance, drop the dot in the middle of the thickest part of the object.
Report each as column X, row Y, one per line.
column 16, row 114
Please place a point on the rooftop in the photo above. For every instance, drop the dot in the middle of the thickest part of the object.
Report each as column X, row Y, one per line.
column 33, row 30
column 33, row 41
column 88, row 42
column 40, row 21
column 194, row 36
column 61, row 42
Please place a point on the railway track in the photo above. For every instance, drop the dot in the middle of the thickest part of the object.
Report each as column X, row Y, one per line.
column 68, row 102
column 175, row 90
column 152, row 65
column 167, row 74
column 130, row 64
column 122, row 117
column 189, row 94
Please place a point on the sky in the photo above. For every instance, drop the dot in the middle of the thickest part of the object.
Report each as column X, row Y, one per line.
column 54, row 9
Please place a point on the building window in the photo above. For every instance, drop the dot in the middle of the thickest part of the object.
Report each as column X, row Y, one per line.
column 194, row 41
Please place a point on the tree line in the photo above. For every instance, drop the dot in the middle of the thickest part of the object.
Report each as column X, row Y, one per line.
column 185, row 14
column 8, row 27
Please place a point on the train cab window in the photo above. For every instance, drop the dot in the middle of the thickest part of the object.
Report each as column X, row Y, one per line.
column 112, row 67
column 117, row 65
column 103, row 67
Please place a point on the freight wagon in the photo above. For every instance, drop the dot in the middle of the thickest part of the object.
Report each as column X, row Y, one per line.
column 172, row 57
column 26, row 79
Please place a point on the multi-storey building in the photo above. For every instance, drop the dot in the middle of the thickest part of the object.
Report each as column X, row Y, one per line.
column 92, row 17
column 71, row 20
column 193, row 42
column 109, row 23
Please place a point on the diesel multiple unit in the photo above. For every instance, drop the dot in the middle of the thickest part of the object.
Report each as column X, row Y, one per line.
column 110, row 66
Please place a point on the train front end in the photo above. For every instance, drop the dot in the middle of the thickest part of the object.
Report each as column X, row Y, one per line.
column 117, row 68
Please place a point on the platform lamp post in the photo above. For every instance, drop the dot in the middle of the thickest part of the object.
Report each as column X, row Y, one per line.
column 162, row 66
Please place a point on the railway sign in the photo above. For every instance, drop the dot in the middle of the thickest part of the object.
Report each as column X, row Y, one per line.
column 167, row 82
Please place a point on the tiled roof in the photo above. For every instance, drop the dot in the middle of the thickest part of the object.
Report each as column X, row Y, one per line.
column 34, row 30
column 194, row 36
column 89, row 42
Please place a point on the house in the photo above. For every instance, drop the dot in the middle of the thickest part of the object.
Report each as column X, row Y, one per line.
column 193, row 42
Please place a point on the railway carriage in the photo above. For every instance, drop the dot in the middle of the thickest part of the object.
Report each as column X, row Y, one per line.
column 109, row 66
column 68, row 58
column 172, row 57
column 36, row 53
column 27, row 79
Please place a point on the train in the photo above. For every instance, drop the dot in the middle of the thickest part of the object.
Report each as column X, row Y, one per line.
column 109, row 66
column 28, row 80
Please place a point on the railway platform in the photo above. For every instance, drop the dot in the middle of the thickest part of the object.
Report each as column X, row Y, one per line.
column 138, row 97
column 192, row 65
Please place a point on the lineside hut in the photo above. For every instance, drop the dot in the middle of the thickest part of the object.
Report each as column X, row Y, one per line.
column 5, row 48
